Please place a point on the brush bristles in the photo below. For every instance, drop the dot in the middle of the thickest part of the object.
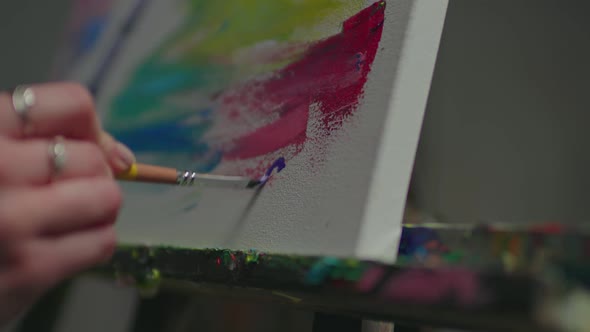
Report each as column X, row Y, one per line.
column 253, row 183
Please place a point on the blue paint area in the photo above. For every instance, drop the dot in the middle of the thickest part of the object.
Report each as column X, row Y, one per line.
column 413, row 241
column 169, row 81
column 172, row 137
column 278, row 165
column 168, row 137
column 205, row 113
column 359, row 61
column 159, row 79
column 90, row 34
column 318, row 273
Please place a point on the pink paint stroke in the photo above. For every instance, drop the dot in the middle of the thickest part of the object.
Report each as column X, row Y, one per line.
column 424, row 286
column 332, row 74
column 370, row 279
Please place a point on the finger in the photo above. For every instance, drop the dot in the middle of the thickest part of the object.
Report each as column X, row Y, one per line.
column 119, row 157
column 75, row 252
column 65, row 109
column 30, row 163
column 43, row 262
column 58, row 208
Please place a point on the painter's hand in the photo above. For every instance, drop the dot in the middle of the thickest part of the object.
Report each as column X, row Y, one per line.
column 58, row 198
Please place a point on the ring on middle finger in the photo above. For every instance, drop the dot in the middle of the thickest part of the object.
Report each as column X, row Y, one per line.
column 57, row 153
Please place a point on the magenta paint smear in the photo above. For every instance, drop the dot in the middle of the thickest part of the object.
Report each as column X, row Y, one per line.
column 433, row 286
column 331, row 74
column 370, row 279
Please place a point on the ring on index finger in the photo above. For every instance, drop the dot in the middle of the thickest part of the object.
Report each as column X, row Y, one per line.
column 23, row 99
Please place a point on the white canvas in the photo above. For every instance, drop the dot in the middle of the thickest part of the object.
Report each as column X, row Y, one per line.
column 347, row 172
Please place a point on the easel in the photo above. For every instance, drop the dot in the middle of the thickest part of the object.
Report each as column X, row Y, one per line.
column 474, row 278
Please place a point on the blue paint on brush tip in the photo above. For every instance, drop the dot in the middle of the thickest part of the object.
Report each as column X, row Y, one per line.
column 278, row 165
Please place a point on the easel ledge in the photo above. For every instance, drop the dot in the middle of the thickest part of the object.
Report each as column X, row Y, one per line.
column 471, row 277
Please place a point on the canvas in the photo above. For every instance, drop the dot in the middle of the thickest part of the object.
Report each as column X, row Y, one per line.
column 325, row 95
column 86, row 25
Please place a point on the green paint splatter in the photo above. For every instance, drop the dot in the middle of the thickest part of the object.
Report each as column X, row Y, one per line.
column 228, row 259
column 453, row 257
column 227, row 26
column 142, row 254
column 252, row 257
column 149, row 283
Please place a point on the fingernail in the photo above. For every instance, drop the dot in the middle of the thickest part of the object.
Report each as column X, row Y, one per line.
column 105, row 139
column 124, row 158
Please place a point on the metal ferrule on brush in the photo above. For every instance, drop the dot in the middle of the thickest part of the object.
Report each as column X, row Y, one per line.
column 189, row 178
column 186, row 178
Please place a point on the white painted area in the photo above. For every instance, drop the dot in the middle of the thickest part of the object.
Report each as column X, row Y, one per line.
column 349, row 205
column 381, row 231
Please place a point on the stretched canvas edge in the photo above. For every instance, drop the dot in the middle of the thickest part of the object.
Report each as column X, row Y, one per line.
column 385, row 201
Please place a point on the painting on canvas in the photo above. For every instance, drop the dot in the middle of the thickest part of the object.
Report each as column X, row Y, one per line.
column 301, row 89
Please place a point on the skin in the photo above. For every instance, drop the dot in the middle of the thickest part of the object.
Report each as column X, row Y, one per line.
column 54, row 227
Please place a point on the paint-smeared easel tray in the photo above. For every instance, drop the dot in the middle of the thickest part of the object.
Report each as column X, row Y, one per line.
column 453, row 276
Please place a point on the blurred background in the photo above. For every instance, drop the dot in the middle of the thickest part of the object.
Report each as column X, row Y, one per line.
column 30, row 35
column 505, row 136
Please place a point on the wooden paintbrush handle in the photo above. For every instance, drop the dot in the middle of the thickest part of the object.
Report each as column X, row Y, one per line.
column 149, row 173
column 156, row 174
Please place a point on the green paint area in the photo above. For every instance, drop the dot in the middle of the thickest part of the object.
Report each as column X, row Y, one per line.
column 218, row 44
column 454, row 257
column 146, row 281
column 149, row 283
column 232, row 25
column 450, row 258
column 252, row 257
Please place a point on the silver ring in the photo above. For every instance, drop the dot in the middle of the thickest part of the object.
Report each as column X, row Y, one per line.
column 23, row 99
column 57, row 153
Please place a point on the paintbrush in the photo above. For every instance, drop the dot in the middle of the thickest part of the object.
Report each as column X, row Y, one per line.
column 166, row 175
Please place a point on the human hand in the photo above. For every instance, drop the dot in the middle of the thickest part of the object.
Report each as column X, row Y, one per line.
column 55, row 220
